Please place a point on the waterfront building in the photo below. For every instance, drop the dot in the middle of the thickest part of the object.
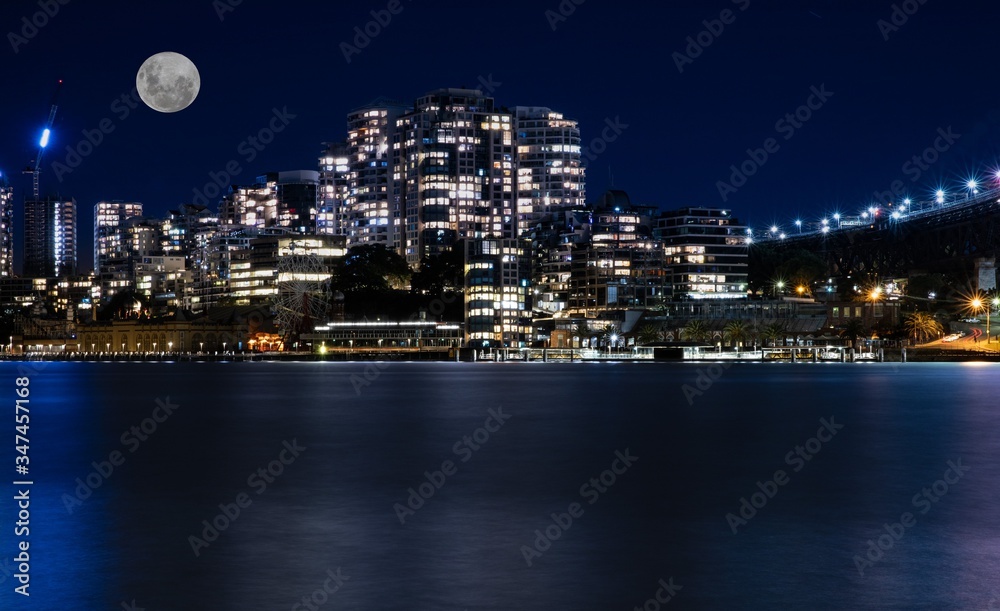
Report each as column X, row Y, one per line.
column 707, row 253
column 255, row 273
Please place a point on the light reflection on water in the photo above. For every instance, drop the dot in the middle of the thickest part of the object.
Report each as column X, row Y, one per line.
column 333, row 506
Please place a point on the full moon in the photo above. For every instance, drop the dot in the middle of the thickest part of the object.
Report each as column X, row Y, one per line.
column 168, row 82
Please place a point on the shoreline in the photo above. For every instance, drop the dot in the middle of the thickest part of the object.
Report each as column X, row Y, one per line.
column 894, row 357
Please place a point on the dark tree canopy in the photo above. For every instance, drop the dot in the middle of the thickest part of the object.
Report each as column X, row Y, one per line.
column 370, row 268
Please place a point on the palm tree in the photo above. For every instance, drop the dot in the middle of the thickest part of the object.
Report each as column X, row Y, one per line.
column 773, row 332
column 607, row 332
column 921, row 326
column 853, row 329
column 582, row 330
column 695, row 331
column 649, row 333
column 735, row 331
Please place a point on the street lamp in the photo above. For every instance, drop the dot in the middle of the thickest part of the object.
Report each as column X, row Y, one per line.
column 170, row 346
column 614, row 339
column 201, row 346
column 780, row 284
column 798, row 223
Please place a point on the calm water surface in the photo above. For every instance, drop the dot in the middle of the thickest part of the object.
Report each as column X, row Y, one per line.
column 336, row 503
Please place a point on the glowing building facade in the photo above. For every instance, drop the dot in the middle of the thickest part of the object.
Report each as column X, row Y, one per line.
column 550, row 172
column 334, row 173
column 455, row 156
column 373, row 213
column 707, row 253
column 112, row 252
column 50, row 238
column 6, row 229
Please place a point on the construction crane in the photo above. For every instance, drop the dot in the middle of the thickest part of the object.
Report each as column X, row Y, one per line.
column 44, row 141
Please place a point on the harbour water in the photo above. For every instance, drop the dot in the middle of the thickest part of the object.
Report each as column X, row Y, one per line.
column 507, row 486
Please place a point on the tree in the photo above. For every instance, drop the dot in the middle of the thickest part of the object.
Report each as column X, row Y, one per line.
column 582, row 330
column 735, row 331
column 853, row 329
column 921, row 326
column 371, row 268
column 648, row 334
column 440, row 273
column 773, row 332
column 695, row 331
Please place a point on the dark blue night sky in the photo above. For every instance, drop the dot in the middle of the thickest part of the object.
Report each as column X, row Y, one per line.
column 892, row 88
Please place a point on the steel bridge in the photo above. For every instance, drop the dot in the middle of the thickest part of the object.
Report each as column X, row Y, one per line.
column 937, row 236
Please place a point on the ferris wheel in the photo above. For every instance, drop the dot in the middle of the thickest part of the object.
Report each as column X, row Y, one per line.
column 303, row 296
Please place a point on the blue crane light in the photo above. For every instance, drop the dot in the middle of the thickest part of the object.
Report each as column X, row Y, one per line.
column 44, row 142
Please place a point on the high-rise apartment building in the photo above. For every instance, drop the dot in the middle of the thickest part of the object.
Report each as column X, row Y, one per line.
column 50, row 238
column 277, row 199
column 455, row 156
column 334, row 175
column 297, row 194
column 550, row 171
column 373, row 211
column 6, row 229
column 112, row 247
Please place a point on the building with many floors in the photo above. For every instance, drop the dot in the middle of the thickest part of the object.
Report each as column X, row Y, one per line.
column 50, row 237
column 706, row 251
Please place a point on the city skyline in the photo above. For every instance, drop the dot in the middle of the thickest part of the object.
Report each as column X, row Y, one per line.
column 715, row 91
